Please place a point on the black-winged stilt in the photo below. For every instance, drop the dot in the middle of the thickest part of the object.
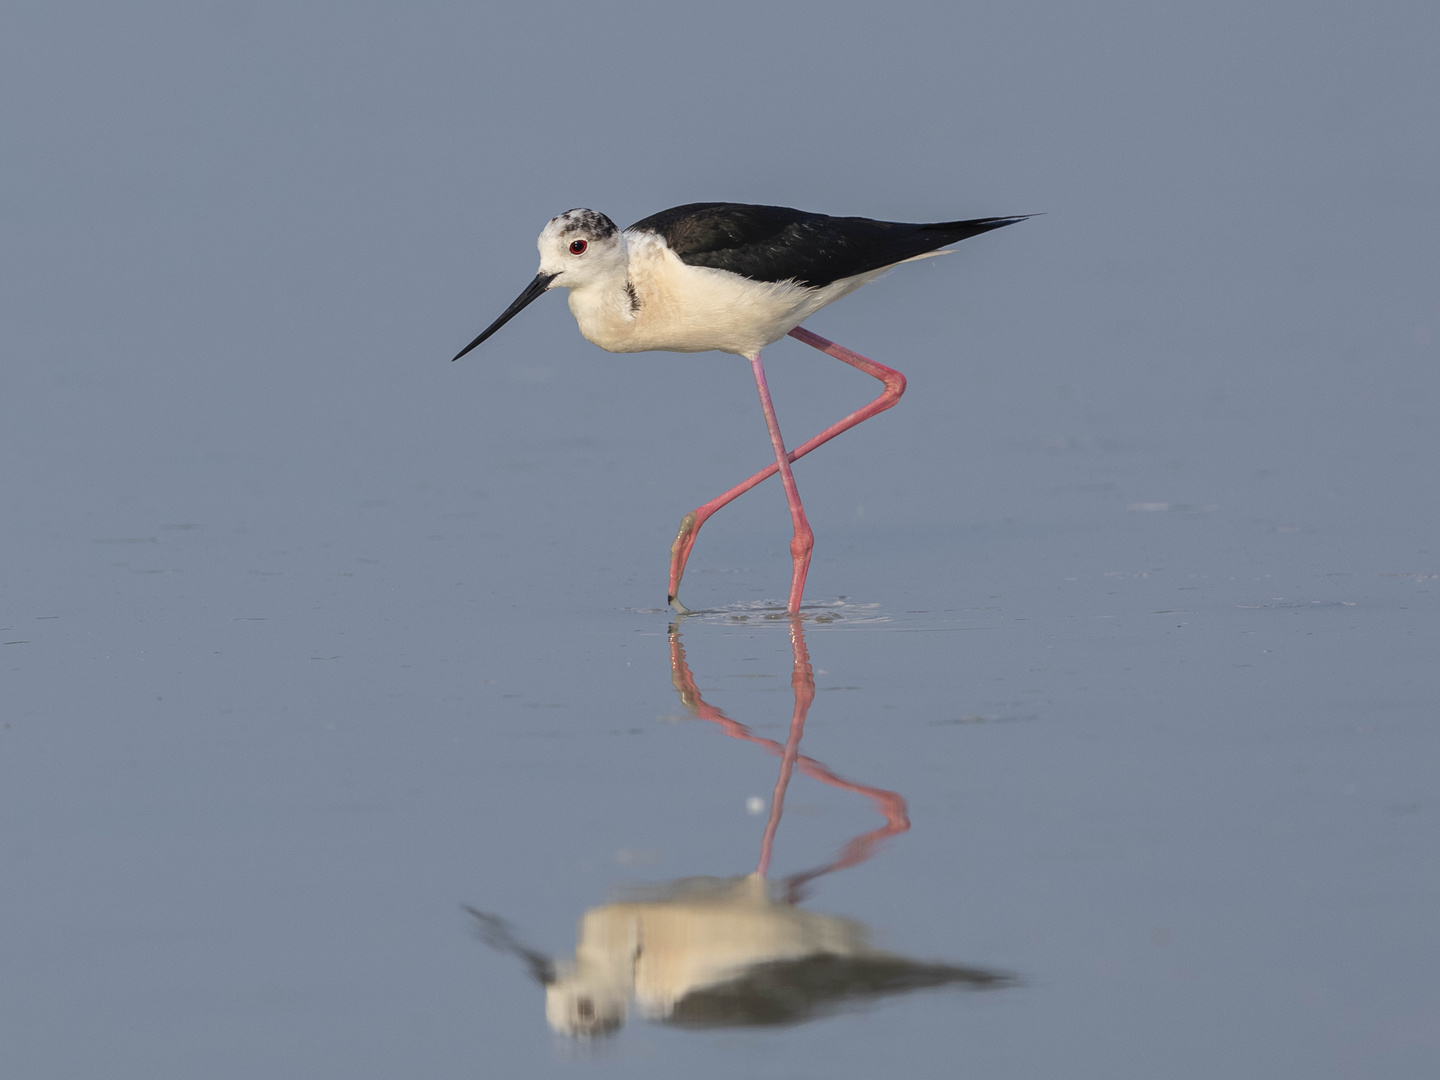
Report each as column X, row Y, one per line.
column 734, row 278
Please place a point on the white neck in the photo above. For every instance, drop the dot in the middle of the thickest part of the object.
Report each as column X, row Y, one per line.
column 604, row 304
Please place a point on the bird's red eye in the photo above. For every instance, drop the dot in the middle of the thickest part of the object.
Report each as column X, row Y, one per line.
column 577, row 247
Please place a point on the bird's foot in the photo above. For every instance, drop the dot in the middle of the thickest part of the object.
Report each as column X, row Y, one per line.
column 679, row 555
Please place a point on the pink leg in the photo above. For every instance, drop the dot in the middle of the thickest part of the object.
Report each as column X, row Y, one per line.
column 690, row 524
column 803, row 542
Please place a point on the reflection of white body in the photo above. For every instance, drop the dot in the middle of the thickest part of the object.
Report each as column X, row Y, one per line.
column 691, row 935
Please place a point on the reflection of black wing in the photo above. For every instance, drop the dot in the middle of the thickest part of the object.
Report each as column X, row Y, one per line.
column 776, row 243
column 495, row 932
column 793, row 991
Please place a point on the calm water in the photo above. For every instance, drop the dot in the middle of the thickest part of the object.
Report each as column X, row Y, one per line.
column 1119, row 676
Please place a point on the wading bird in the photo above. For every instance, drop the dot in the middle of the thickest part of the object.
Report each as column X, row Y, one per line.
column 734, row 278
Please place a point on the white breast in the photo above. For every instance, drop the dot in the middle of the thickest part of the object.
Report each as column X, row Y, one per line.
column 682, row 308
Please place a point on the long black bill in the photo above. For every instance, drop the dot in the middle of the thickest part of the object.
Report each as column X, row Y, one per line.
column 496, row 933
column 534, row 289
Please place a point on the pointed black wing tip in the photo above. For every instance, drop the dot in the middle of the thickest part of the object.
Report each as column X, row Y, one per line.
column 1001, row 222
column 980, row 226
column 963, row 230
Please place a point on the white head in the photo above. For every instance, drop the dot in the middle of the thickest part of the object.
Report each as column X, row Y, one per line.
column 577, row 249
column 585, row 1004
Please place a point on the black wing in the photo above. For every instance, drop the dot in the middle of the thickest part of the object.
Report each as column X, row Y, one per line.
column 775, row 243
column 793, row 991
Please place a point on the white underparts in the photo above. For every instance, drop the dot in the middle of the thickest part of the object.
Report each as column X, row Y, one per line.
column 684, row 308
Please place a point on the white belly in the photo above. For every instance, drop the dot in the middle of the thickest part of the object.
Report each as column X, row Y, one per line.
column 685, row 308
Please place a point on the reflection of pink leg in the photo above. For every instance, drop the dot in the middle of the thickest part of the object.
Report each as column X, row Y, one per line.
column 690, row 524
column 802, row 681
column 890, row 804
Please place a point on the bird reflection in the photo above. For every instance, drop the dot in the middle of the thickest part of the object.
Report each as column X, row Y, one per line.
column 737, row 951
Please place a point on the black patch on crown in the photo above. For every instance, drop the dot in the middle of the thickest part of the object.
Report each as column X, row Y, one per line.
column 591, row 224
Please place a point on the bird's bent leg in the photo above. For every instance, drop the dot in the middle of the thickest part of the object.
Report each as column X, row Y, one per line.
column 691, row 522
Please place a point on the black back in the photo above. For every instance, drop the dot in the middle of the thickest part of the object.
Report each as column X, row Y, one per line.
column 792, row 991
column 775, row 243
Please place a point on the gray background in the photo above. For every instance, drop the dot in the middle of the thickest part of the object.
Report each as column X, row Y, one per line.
column 311, row 636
